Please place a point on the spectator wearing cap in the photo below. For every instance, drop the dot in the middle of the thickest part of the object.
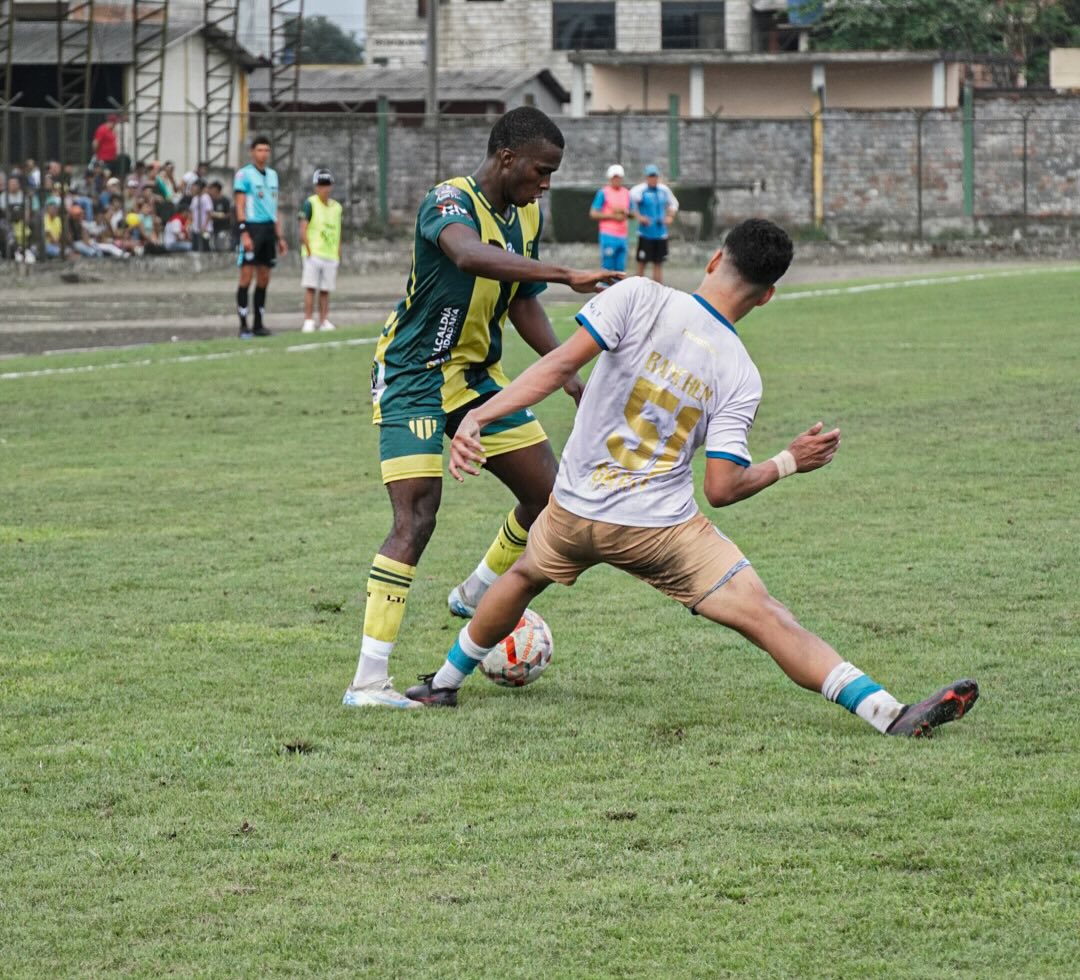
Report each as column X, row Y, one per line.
column 655, row 206
column 320, row 245
column 611, row 207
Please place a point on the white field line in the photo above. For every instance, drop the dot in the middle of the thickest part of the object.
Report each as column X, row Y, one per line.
column 185, row 359
column 872, row 287
column 304, row 348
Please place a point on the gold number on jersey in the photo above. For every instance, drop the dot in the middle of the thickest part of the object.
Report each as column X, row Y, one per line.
column 642, row 454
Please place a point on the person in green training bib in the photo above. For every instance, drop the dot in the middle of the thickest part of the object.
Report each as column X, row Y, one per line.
column 320, row 245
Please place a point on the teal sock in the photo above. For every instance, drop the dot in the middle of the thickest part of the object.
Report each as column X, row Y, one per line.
column 464, row 657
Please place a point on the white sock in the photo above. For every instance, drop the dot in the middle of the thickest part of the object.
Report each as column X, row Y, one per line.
column 462, row 660
column 374, row 656
column 851, row 688
column 482, row 579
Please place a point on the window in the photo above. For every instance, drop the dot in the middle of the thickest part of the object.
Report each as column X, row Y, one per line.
column 692, row 25
column 577, row 26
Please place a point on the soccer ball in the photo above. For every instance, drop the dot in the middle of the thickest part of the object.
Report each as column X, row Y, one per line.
column 523, row 656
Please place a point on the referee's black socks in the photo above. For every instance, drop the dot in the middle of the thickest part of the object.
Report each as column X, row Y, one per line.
column 260, row 304
column 242, row 305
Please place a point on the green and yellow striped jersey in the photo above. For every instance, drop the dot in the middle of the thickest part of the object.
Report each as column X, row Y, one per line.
column 442, row 345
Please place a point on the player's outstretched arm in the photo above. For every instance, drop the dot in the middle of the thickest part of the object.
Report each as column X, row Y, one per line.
column 727, row 482
column 547, row 375
column 471, row 254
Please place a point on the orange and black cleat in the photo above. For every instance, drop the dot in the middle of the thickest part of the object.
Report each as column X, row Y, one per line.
column 948, row 704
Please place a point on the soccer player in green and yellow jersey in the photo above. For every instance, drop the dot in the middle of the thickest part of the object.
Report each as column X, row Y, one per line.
column 475, row 264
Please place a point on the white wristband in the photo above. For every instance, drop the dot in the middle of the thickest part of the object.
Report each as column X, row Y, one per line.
column 785, row 463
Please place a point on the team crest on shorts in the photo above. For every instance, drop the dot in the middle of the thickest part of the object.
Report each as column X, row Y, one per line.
column 423, row 428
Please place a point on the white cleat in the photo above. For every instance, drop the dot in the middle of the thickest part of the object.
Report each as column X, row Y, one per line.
column 327, row 325
column 377, row 696
column 458, row 606
column 308, row 327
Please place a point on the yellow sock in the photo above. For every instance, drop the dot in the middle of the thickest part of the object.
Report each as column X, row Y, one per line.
column 387, row 589
column 508, row 546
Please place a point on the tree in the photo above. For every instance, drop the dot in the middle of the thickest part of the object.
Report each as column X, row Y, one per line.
column 324, row 43
column 1024, row 30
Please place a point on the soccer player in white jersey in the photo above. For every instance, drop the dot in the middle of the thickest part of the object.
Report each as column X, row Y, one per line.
column 672, row 375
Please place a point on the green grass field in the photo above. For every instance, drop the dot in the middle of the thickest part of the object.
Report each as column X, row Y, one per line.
column 183, row 544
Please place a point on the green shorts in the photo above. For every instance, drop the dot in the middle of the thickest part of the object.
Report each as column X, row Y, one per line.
column 413, row 447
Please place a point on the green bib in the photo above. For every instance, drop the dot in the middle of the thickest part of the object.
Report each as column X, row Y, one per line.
column 324, row 228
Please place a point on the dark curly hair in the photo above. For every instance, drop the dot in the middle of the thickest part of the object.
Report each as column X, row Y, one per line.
column 522, row 126
column 761, row 251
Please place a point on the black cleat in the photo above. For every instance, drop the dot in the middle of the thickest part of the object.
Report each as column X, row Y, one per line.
column 949, row 704
column 261, row 331
column 432, row 697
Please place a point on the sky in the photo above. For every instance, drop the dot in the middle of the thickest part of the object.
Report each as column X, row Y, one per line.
column 347, row 14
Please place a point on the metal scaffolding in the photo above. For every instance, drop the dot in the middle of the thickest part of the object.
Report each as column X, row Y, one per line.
column 7, row 47
column 74, row 65
column 285, row 75
column 221, row 25
column 150, row 22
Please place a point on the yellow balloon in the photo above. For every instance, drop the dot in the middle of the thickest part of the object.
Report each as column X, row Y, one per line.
column 132, row 220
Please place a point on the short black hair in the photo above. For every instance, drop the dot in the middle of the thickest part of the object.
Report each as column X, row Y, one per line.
column 521, row 126
column 761, row 251
column 260, row 140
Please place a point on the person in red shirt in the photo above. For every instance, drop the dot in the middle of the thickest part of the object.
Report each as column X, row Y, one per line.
column 105, row 145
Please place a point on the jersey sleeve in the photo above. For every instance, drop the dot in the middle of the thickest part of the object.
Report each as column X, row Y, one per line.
column 445, row 205
column 597, row 201
column 241, row 184
column 636, row 193
column 729, row 428
column 608, row 314
column 672, row 200
column 305, row 210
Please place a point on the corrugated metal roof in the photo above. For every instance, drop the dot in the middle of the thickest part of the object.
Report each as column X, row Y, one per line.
column 365, row 83
column 34, row 43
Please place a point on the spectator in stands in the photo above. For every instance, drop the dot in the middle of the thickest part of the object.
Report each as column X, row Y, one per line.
column 177, row 238
column 166, row 183
column 202, row 222
column 111, row 189
column 78, row 235
column 32, row 172
column 105, row 146
column 150, row 229
column 221, row 216
column 54, row 228
column 14, row 199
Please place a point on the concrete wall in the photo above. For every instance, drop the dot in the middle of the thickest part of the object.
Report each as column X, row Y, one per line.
column 771, row 91
column 871, row 163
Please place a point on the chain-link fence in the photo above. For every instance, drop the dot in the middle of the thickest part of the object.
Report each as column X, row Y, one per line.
column 883, row 173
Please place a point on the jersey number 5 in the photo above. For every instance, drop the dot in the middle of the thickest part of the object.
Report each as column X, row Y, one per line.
column 639, row 456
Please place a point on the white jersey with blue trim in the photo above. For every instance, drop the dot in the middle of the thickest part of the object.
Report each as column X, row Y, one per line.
column 673, row 375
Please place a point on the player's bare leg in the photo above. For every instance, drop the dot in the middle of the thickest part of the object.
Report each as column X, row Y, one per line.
column 658, row 272
column 415, row 505
column 309, row 308
column 529, row 474
column 744, row 604
column 496, row 615
column 324, row 311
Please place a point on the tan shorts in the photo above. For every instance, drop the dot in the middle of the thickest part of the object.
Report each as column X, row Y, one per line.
column 685, row 561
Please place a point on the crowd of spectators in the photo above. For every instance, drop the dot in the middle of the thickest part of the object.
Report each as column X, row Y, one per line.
column 61, row 213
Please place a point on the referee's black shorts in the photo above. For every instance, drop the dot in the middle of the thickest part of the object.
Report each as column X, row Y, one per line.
column 264, row 245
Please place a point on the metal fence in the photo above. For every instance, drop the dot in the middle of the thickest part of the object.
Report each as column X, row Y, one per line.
column 884, row 173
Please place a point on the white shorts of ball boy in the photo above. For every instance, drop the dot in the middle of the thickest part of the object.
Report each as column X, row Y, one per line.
column 320, row 274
